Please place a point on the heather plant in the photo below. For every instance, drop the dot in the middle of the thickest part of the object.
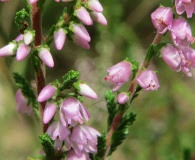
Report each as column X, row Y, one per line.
column 60, row 105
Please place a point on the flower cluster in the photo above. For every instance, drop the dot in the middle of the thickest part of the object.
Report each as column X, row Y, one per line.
column 70, row 130
column 85, row 12
column 179, row 56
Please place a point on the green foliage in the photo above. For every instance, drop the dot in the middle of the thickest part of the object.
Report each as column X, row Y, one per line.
column 27, row 91
column 187, row 154
column 21, row 20
column 111, row 106
column 36, row 158
column 101, row 147
column 136, row 92
column 48, row 146
column 122, row 131
column 69, row 79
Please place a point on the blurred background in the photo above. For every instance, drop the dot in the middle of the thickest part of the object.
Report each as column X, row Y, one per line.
column 165, row 125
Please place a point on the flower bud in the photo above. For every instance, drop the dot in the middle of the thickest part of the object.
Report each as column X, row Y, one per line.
column 81, row 32
column 162, row 19
column 98, row 17
column 29, row 37
column 83, row 16
column 84, row 90
column 46, row 57
column 46, row 93
column 49, row 112
column 80, row 42
column 22, row 51
column 59, row 38
column 32, row 1
column 123, row 97
column 148, row 80
column 95, row 6
column 8, row 50
column 19, row 38
column 171, row 57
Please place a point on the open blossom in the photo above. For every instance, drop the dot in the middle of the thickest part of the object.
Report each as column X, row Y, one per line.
column 59, row 38
column 185, row 5
column 84, row 90
column 72, row 111
column 8, row 50
column 83, row 16
column 59, row 134
column 46, row 57
column 73, row 156
column 181, row 32
column 148, row 80
column 119, row 74
column 49, row 112
column 162, row 19
column 21, row 103
column 22, row 51
column 171, row 57
column 46, row 93
column 84, row 139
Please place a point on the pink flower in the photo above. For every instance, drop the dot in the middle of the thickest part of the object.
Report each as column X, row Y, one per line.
column 29, row 37
column 80, row 42
column 22, row 51
column 119, row 74
column 22, row 106
column 32, row 1
column 59, row 134
column 59, row 38
column 84, row 90
column 95, row 6
column 81, row 32
column 181, row 32
column 123, row 97
column 19, row 38
column 73, row 156
column 83, row 16
column 98, row 17
column 148, row 80
column 72, row 111
column 172, row 57
column 46, row 57
column 162, row 19
column 49, row 112
column 8, row 50
column 46, row 93
column 84, row 139
column 185, row 5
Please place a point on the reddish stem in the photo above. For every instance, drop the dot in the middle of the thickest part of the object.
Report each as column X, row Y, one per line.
column 132, row 89
column 40, row 75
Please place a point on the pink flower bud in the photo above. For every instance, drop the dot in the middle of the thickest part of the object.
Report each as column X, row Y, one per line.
column 73, row 156
column 28, row 37
column 83, row 16
column 148, row 80
column 49, row 112
column 95, row 6
column 172, row 57
column 123, row 97
column 32, row 1
column 21, row 102
column 59, row 38
column 22, row 51
column 119, row 74
column 162, row 19
column 8, row 50
column 185, row 5
column 80, row 42
column 181, row 32
column 19, row 38
column 46, row 93
column 81, row 32
column 46, row 57
column 84, row 90
column 98, row 17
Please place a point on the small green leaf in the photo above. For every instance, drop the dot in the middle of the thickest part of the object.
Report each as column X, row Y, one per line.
column 48, row 145
column 122, row 131
column 111, row 106
column 101, row 146
column 21, row 20
column 40, row 157
column 69, row 79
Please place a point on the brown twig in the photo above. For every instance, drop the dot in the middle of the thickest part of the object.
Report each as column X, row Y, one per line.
column 132, row 89
column 40, row 75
